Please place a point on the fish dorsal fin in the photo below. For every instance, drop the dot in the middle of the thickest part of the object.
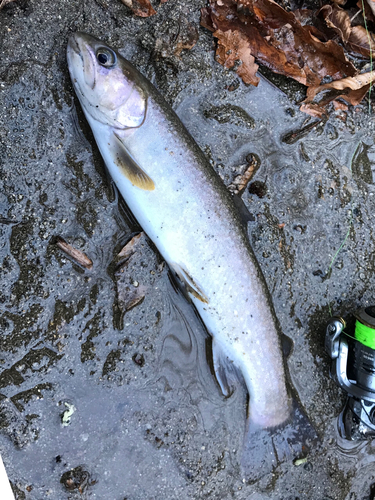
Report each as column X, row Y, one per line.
column 128, row 166
column 226, row 373
column 190, row 285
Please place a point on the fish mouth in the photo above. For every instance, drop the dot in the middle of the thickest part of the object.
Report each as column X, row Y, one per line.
column 80, row 51
column 73, row 44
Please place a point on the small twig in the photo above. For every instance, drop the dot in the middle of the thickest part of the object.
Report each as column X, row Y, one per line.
column 75, row 254
column 355, row 15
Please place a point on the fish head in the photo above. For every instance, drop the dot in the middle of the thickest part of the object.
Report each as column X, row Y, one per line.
column 108, row 86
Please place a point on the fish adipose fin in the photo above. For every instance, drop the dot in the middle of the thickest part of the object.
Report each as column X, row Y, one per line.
column 189, row 284
column 242, row 210
column 265, row 449
column 226, row 373
column 286, row 345
column 128, row 166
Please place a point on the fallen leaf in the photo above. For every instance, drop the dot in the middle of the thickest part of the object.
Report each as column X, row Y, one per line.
column 351, row 89
column 338, row 105
column 362, row 41
column 371, row 4
column 77, row 255
column 356, row 39
column 241, row 181
column 353, row 83
column 131, row 299
column 173, row 41
column 141, row 8
column 276, row 39
column 130, row 247
column 337, row 19
column 234, row 50
column 187, row 36
column 368, row 11
column 314, row 110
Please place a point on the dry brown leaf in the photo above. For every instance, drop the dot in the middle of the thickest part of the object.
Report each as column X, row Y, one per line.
column 351, row 90
column 132, row 298
column 241, row 181
column 75, row 254
column 352, row 83
column 361, row 40
column 313, row 110
column 368, row 11
column 338, row 105
column 337, row 19
column 171, row 43
column 187, row 36
column 233, row 49
column 356, row 38
column 141, row 8
column 130, row 247
column 371, row 4
column 277, row 39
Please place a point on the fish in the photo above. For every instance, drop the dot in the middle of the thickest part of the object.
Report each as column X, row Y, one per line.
column 189, row 214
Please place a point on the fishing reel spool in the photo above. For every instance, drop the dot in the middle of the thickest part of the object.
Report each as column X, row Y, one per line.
column 353, row 369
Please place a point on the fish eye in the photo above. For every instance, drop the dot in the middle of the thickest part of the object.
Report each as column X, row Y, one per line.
column 106, row 57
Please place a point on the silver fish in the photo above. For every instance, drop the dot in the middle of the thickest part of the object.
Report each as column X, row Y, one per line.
column 189, row 214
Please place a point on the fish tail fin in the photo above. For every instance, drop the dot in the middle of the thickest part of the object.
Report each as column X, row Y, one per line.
column 265, row 449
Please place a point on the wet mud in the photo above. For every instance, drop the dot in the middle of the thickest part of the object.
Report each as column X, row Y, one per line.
column 100, row 400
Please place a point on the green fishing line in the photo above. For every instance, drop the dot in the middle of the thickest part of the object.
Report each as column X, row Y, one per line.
column 365, row 335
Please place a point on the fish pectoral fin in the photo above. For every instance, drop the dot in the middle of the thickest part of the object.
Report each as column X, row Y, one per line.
column 128, row 166
column 189, row 284
column 227, row 374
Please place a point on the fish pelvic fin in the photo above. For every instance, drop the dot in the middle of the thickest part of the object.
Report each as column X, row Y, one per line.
column 128, row 166
column 189, row 283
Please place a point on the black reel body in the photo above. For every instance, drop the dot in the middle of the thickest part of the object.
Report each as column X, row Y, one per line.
column 353, row 369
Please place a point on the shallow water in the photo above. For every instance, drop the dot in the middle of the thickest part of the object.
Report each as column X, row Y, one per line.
column 163, row 430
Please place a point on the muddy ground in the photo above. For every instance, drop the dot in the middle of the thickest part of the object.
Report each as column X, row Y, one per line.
column 99, row 404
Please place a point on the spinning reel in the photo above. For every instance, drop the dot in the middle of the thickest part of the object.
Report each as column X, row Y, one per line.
column 353, row 369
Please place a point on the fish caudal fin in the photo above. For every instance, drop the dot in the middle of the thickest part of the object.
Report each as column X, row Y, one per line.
column 265, row 449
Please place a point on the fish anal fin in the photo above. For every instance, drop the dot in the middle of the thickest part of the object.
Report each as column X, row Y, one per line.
column 129, row 167
column 226, row 372
column 190, row 285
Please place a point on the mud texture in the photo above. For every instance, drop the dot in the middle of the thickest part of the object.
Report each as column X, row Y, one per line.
column 101, row 401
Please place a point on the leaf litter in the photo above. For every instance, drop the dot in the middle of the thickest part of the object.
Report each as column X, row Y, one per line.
column 141, row 8
column 316, row 48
